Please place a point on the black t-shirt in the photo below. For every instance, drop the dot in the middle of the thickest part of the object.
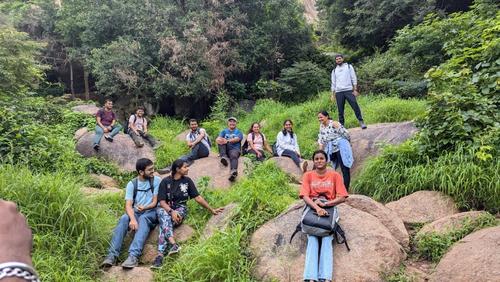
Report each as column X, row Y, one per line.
column 180, row 190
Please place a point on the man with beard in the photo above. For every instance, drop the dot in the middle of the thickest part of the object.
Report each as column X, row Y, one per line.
column 345, row 87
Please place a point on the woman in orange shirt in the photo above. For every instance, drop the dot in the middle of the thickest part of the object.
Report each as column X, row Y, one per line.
column 321, row 188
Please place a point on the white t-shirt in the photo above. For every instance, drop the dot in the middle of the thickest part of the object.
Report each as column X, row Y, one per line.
column 139, row 123
column 191, row 136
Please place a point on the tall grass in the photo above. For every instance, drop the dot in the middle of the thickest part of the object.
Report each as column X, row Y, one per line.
column 70, row 231
column 166, row 129
column 402, row 170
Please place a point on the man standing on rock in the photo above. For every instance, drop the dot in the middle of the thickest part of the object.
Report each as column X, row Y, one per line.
column 229, row 145
column 141, row 199
column 345, row 87
column 138, row 129
column 106, row 124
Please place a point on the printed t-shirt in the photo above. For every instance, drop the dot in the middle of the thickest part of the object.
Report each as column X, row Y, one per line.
column 180, row 190
column 106, row 117
column 258, row 142
column 330, row 185
column 228, row 134
column 144, row 196
column 139, row 123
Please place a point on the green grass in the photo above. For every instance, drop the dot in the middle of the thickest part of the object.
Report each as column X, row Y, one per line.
column 432, row 246
column 70, row 231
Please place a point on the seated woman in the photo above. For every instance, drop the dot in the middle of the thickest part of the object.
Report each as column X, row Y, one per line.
column 173, row 195
column 333, row 138
column 257, row 142
column 287, row 145
column 321, row 188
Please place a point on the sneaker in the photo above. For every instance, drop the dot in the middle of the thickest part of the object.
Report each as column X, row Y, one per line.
column 362, row 124
column 130, row 262
column 109, row 261
column 139, row 145
column 304, row 166
column 108, row 138
column 157, row 145
column 234, row 173
column 158, row 262
column 174, row 249
column 96, row 147
column 189, row 162
column 165, row 170
column 224, row 161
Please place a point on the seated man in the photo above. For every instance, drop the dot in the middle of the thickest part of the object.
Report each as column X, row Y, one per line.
column 138, row 129
column 229, row 144
column 106, row 123
column 197, row 140
column 140, row 216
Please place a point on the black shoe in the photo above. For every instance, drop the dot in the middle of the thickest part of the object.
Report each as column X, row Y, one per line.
column 108, row 138
column 96, row 147
column 234, row 173
column 174, row 249
column 158, row 262
column 109, row 261
column 189, row 162
column 224, row 161
column 130, row 262
column 362, row 124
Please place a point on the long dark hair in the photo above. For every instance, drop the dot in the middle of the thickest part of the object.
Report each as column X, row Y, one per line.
column 284, row 130
column 250, row 130
column 325, row 113
column 176, row 165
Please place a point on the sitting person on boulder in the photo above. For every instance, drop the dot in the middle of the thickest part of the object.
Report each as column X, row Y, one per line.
column 287, row 145
column 106, row 124
column 175, row 191
column 141, row 199
column 138, row 129
column 229, row 144
column 333, row 138
column 257, row 142
column 321, row 188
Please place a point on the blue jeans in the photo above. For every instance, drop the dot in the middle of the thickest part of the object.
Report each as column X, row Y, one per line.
column 99, row 132
column 146, row 220
column 197, row 152
column 319, row 266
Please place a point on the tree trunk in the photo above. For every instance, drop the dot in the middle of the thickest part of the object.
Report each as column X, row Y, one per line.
column 71, row 79
column 86, row 82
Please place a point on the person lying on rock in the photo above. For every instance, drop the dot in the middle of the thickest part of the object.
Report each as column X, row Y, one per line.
column 198, row 142
column 141, row 199
column 257, row 142
column 106, row 124
column 138, row 129
column 287, row 145
column 327, row 184
column 175, row 191
column 229, row 145
column 333, row 138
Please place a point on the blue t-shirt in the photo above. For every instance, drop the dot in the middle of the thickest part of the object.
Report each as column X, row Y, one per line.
column 228, row 134
column 144, row 196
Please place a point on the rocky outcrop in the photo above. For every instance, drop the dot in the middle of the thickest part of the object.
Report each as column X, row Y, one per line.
column 90, row 191
column 474, row 258
column 288, row 166
column 90, row 109
column 423, row 207
column 137, row 274
column 220, row 221
column 80, row 132
column 122, row 151
column 217, row 173
column 373, row 248
column 366, row 142
column 451, row 222
column 386, row 216
column 104, row 181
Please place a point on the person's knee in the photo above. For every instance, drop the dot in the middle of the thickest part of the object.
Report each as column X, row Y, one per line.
column 124, row 219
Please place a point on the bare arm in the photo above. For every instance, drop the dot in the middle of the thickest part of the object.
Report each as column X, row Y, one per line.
column 200, row 200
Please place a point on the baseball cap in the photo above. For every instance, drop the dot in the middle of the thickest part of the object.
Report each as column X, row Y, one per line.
column 232, row 118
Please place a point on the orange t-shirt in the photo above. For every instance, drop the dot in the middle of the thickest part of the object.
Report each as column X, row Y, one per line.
column 330, row 185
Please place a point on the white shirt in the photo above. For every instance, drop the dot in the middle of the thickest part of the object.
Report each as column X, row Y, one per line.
column 343, row 78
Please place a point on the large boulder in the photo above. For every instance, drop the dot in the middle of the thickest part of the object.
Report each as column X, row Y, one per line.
column 80, row 132
column 373, row 248
column 388, row 217
column 474, row 258
column 104, row 181
column 365, row 143
column 122, row 151
column 137, row 274
column 288, row 166
column 451, row 222
column 423, row 207
column 90, row 191
column 218, row 174
column 220, row 221
column 90, row 109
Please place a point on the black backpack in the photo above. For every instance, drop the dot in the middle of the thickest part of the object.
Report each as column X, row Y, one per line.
column 126, row 129
column 313, row 224
column 136, row 185
column 244, row 148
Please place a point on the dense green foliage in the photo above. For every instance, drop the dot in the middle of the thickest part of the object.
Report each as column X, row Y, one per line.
column 432, row 246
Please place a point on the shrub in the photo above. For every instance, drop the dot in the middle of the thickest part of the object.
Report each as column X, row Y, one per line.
column 305, row 80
